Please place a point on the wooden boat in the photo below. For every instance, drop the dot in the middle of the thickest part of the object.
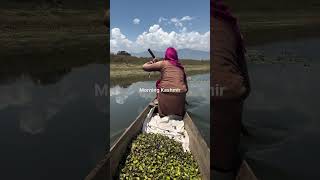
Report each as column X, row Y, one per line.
column 198, row 148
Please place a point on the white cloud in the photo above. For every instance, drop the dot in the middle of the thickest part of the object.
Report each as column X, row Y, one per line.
column 179, row 22
column 119, row 41
column 184, row 29
column 136, row 21
column 154, row 28
column 162, row 19
column 158, row 39
column 176, row 22
column 186, row 18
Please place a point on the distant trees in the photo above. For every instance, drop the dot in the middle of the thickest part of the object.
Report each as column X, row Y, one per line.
column 124, row 53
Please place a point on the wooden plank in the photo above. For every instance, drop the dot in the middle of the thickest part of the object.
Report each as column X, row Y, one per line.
column 198, row 147
column 118, row 150
column 120, row 147
column 245, row 172
column 100, row 172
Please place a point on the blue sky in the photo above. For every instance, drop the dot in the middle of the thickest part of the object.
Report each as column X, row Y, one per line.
column 188, row 19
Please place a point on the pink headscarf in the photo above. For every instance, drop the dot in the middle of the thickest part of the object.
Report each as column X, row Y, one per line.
column 171, row 55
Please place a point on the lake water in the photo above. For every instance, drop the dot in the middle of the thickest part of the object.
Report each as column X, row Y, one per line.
column 52, row 126
column 126, row 103
column 282, row 114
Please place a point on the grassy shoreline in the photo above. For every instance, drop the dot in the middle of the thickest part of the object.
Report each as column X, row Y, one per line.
column 268, row 21
column 125, row 70
column 261, row 28
column 53, row 34
column 276, row 25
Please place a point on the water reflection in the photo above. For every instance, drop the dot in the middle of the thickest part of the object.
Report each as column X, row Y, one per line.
column 51, row 122
column 127, row 103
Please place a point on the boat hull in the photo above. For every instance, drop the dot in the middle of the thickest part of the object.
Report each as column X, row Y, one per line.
column 198, row 147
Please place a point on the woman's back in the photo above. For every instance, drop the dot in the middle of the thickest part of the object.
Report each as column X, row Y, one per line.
column 172, row 77
column 172, row 85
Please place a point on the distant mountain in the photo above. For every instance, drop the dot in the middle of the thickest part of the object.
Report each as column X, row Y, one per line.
column 183, row 54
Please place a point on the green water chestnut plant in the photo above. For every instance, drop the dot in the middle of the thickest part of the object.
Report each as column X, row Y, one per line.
column 154, row 156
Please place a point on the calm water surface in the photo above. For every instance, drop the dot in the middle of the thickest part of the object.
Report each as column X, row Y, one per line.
column 52, row 125
column 282, row 114
column 126, row 103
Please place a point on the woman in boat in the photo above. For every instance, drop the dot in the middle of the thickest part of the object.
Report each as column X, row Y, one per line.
column 229, row 70
column 172, row 86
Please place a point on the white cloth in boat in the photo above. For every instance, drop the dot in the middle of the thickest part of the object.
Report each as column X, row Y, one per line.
column 171, row 126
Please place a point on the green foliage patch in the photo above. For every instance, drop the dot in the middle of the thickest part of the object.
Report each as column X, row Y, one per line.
column 154, row 156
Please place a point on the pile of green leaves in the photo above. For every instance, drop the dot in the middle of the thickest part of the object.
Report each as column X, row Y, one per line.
column 154, row 156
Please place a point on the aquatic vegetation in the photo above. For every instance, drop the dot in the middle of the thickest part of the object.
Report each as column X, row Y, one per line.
column 154, row 156
column 254, row 56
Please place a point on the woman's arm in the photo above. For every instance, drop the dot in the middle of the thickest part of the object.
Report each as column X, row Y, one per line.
column 152, row 66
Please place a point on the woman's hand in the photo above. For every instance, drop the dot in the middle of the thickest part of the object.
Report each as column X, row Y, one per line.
column 153, row 61
column 153, row 65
